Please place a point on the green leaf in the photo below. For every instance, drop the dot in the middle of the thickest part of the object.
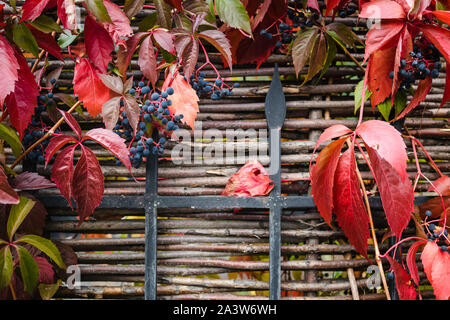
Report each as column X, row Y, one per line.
column 98, row 9
column 358, row 95
column 317, row 58
column 164, row 16
column 17, row 214
column 45, row 246
column 23, row 37
column 234, row 14
column 12, row 138
column 6, row 266
column 28, row 269
column 344, row 33
column 302, row 47
column 66, row 38
column 47, row 291
column 46, row 24
column 148, row 22
column 331, row 54
column 385, row 108
column 400, row 101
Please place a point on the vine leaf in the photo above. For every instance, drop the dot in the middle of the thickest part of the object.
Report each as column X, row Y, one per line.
column 322, row 178
column 89, row 87
column 411, row 260
column 251, row 180
column 185, row 99
column 397, row 194
column 403, row 281
column 348, row 203
column 387, row 142
column 220, row 42
column 62, row 172
column 164, row 39
column 147, row 60
column 11, row 137
column 302, row 48
column 87, row 184
column 234, row 14
column 10, row 67
column 358, row 94
column 17, row 214
column 98, row 9
column 6, row 266
column 7, row 194
column 46, row 42
column 132, row 7
column 132, row 110
column 120, row 26
column 436, row 265
column 110, row 112
column 422, row 90
column 23, row 37
column 332, row 132
column 33, row 9
column 175, row 3
column 31, row 181
column 70, row 120
column 29, row 270
column 55, row 144
column 46, row 246
column 99, row 44
column 67, row 13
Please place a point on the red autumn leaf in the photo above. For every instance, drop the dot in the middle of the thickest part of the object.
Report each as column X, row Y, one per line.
column 444, row 16
column 67, row 12
column 388, row 143
column 99, row 44
column 332, row 132
column 33, row 9
column 31, row 181
column 383, row 37
column 382, row 9
column 7, row 194
column 184, row 99
column 132, row 110
column 379, row 83
column 164, row 39
column 422, row 90
column 70, row 120
column 446, row 96
column 313, row 4
column 112, row 142
column 9, row 67
column 62, row 171
column 46, row 42
column 175, row 3
column 22, row 101
column 403, row 281
column 187, row 48
column 126, row 51
column 442, row 185
column 331, row 5
column 397, row 194
column 46, row 273
column 250, row 181
column 120, row 26
column 55, row 144
column 411, row 260
column 436, row 265
column 220, row 42
column 89, row 87
column 322, row 178
column 439, row 37
column 147, row 60
column 87, row 184
column 348, row 203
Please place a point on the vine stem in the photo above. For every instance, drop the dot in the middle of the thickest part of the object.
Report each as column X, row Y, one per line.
column 45, row 136
column 13, row 293
column 372, row 227
column 41, row 54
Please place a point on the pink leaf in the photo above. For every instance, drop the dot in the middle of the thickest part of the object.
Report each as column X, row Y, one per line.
column 442, row 185
column 382, row 9
column 397, row 194
column 112, row 142
column 147, row 60
column 164, row 39
column 62, row 172
column 250, row 181
column 383, row 36
column 120, row 26
column 332, row 132
column 67, row 13
column 10, row 67
column 46, row 273
column 87, row 184
column 348, row 203
column 70, row 120
column 89, row 87
column 420, row 95
column 31, row 181
column 322, row 178
column 33, row 9
column 405, row 287
column 388, row 143
column 436, row 264
column 55, row 144
column 99, row 44
column 7, row 194
column 411, row 261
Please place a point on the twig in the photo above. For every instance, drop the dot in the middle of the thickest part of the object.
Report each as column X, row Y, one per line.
column 13, row 293
column 45, row 136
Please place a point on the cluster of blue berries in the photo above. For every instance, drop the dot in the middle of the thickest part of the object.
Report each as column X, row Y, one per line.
column 423, row 63
column 346, row 11
column 154, row 114
column 215, row 90
column 434, row 234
